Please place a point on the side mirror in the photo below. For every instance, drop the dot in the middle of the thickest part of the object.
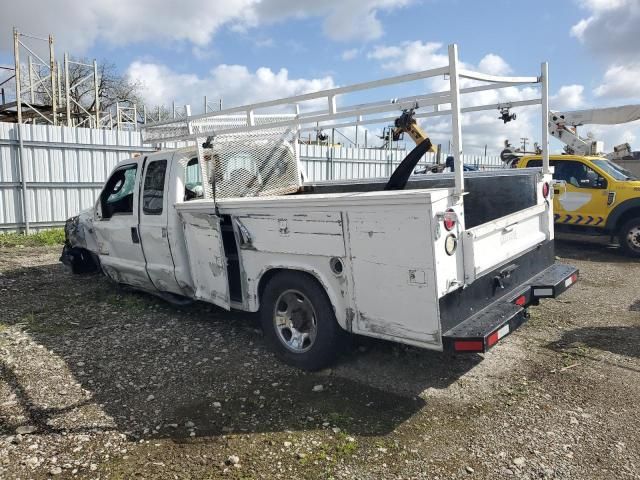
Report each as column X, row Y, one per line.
column 602, row 182
column 559, row 187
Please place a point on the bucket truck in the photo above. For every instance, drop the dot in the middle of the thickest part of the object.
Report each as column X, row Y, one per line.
column 593, row 195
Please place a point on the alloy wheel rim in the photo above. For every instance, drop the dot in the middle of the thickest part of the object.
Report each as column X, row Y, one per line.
column 295, row 321
column 633, row 238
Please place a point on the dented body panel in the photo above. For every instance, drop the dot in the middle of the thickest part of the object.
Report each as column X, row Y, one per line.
column 387, row 284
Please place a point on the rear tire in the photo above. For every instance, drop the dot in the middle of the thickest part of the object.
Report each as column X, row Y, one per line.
column 629, row 237
column 299, row 322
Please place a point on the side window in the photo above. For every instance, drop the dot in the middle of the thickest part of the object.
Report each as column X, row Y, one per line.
column 579, row 175
column 153, row 191
column 117, row 196
column 192, row 181
column 534, row 164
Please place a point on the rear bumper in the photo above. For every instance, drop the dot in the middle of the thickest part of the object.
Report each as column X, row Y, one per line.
column 483, row 330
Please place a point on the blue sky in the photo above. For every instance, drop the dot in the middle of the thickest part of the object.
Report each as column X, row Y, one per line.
column 249, row 50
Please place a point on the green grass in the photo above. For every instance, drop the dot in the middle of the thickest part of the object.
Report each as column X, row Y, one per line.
column 42, row 238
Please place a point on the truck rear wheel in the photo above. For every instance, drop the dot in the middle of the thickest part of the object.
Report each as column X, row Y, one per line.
column 299, row 322
column 629, row 237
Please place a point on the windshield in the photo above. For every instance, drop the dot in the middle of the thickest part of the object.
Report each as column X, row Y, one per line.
column 615, row 170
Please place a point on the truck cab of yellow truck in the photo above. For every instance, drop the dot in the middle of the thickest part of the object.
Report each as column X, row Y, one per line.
column 593, row 195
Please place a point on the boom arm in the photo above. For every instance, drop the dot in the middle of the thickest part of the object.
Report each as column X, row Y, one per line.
column 562, row 125
column 407, row 123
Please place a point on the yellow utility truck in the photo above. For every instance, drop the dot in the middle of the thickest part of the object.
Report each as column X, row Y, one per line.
column 592, row 194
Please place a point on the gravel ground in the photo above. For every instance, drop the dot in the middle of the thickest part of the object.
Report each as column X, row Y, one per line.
column 100, row 382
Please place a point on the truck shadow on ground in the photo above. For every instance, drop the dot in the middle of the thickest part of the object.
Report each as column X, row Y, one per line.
column 620, row 340
column 160, row 371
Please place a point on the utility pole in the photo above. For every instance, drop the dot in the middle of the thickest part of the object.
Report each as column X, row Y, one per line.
column 524, row 144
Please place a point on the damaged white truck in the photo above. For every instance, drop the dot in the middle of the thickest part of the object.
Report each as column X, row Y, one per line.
column 448, row 262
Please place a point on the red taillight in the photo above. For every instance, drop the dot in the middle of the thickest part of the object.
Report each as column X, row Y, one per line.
column 545, row 190
column 521, row 300
column 449, row 219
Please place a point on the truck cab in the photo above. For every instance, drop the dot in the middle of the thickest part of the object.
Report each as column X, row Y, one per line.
column 593, row 195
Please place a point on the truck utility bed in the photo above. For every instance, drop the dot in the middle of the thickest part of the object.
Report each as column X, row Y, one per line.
column 488, row 194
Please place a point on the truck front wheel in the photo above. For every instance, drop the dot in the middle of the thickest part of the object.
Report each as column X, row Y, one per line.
column 629, row 237
column 299, row 322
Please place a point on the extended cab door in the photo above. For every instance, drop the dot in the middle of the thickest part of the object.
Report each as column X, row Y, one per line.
column 207, row 260
column 581, row 197
column 154, row 233
column 580, row 193
column 116, row 227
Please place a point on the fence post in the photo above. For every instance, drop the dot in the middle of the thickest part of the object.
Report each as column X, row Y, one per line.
column 23, row 181
column 23, row 177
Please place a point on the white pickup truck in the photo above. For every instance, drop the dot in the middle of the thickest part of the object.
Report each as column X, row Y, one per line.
column 448, row 262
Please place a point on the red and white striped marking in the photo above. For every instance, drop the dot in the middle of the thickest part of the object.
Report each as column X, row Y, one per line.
column 571, row 280
column 497, row 335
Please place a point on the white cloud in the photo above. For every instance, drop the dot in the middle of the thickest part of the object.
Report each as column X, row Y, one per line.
column 123, row 22
column 349, row 54
column 569, row 97
column 610, row 29
column 343, row 19
column 494, row 64
column 409, row 56
column 235, row 84
column 620, row 81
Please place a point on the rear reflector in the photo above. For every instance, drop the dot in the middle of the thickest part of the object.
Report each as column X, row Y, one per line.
column 571, row 280
column 497, row 335
column 468, row 346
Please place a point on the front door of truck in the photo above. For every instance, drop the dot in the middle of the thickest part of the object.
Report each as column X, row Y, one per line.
column 154, row 232
column 116, row 228
column 581, row 197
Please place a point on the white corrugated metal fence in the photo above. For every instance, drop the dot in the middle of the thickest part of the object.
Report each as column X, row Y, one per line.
column 65, row 168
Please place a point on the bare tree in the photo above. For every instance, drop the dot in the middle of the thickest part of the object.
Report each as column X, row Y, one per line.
column 112, row 88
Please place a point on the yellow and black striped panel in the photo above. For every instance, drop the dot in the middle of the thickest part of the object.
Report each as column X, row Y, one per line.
column 575, row 219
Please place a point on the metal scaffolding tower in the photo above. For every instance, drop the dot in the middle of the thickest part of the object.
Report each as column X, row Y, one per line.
column 35, row 82
column 42, row 94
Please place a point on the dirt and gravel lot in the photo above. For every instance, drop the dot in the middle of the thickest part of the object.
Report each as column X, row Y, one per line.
column 99, row 382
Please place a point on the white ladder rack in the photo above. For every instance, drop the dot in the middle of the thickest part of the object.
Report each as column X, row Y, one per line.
column 306, row 116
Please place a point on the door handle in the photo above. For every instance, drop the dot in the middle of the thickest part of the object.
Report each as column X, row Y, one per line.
column 164, row 232
column 135, row 238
